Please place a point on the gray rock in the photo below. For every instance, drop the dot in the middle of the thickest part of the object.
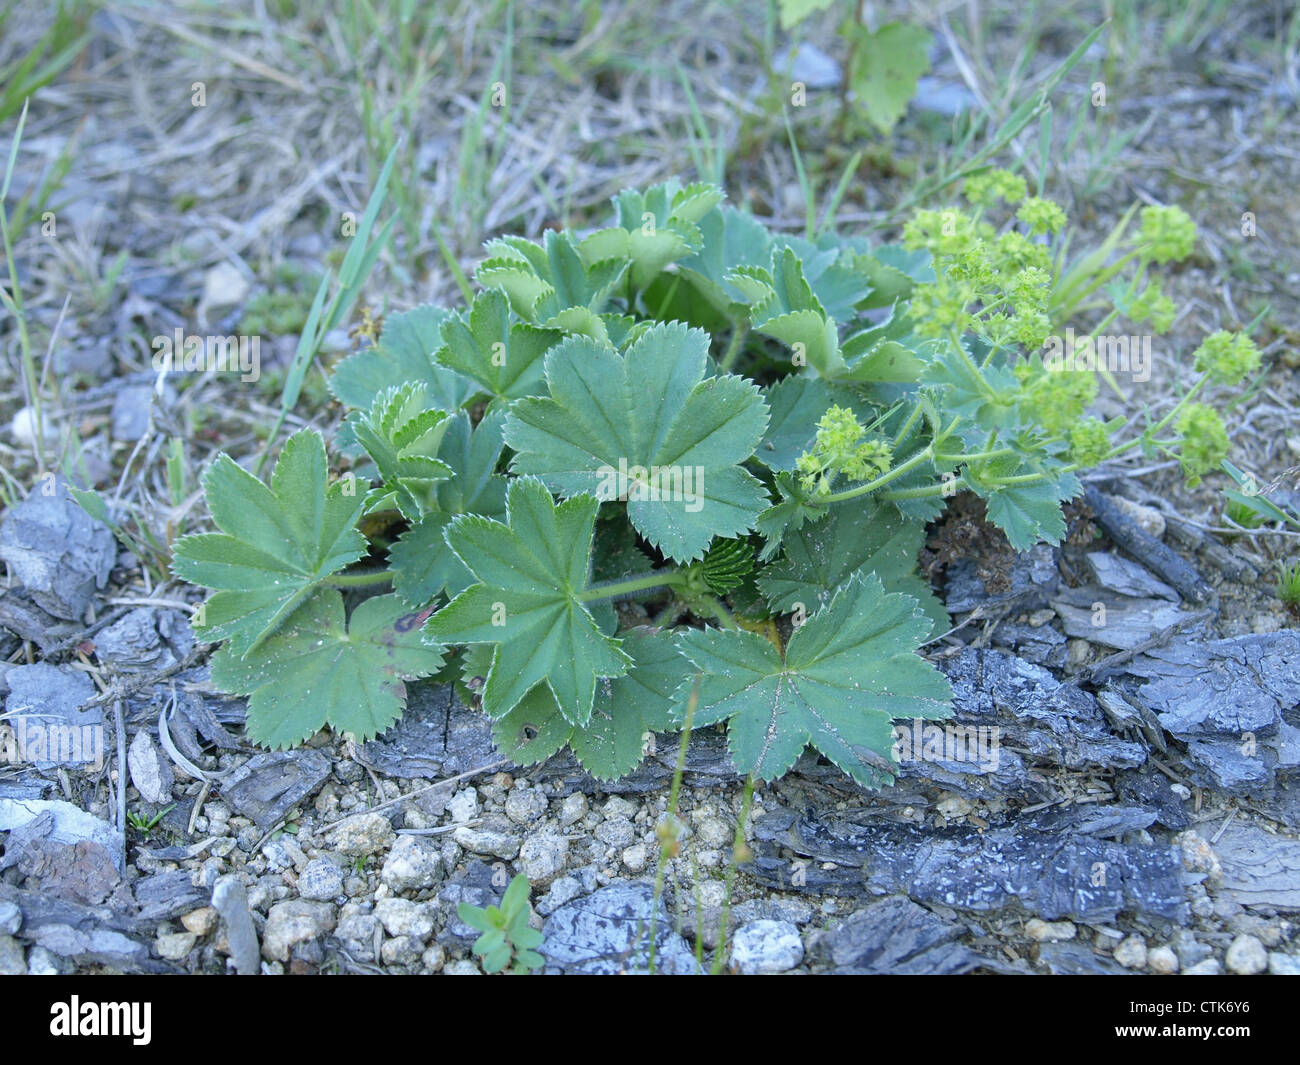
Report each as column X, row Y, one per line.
column 477, row 884
column 1034, row 578
column 145, row 640
column 267, row 786
column 487, row 841
column 766, row 947
column 292, row 922
column 810, row 65
column 321, row 881
column 1050, row 866
column 790, row 911
column 947, row 98
column 616, row 832
column 362, row 834
column 1119, row 575
column 401, row 950
column 1188, row 948
column 1076, row 959
column 131, row 412
column 50, row 726
column 357, row 932
column 1126, row 622
column 67, row 824
column 1132, row 952
column 437, row 736
column 543, row 856
column 230, row 899
column 1259, row 869
column 151, row 771
column 164, row 896
column 12, row 961
column 1221, row 687
column 402, row 917
column 60, row 554
column 1246, row 956
column 564, row 889
column 525, row 805
column 1280, row 964
column 895, row 935
column 412, row 865
column 608, row 932
column 11, row 918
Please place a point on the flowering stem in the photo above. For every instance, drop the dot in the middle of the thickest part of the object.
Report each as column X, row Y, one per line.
column 924, row 455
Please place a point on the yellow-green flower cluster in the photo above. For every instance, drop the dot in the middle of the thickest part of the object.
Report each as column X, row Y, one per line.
column 1227, row 357
column 1089, row 442
column 1041, row 216
column 1204, row 441
column 995, row 284
column 1168, row 234
column 984, row 190
column 840, row 449
column 1152, row 305
column 1054, row 399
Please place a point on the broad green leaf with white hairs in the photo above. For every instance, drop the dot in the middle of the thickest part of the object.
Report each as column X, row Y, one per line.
column 784, row 307
column 502, row 355
column 532, row 572
column 1027, row 513
column 857, row 536
column 319, row 669
column 628, row 710
column 276, row 543
column 847, row 673
column 647, row 426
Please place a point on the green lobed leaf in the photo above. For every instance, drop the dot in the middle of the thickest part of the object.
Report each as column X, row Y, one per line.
column 848, row 671
column 532, row 571
column 319, row 669
column 626, row 711
column 276, row 543
column 856, row 537
column 487, row 345
column 609, row 414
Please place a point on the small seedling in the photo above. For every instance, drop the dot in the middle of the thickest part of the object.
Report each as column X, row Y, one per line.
column 507, row 939
column 145, row 825
column 1288, row 586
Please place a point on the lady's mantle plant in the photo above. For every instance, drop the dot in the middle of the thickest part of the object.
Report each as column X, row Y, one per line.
column 682, row 467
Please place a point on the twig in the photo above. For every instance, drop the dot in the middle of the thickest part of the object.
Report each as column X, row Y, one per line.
column 121, row 775
column 418, row 791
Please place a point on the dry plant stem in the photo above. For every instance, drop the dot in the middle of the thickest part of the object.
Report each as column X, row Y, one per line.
column 737, row 845
column 670, row 814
